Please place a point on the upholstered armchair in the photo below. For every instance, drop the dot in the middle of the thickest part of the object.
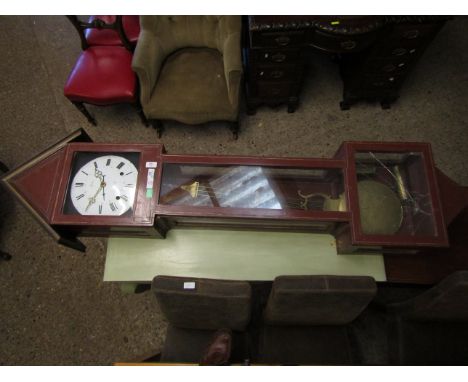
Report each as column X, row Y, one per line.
column 190, row 69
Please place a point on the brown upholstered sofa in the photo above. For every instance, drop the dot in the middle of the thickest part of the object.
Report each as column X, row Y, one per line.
column 190, row 69
column 431, row 328
column 194, row 314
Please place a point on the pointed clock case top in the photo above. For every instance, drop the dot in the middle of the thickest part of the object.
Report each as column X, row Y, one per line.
column 33, row 182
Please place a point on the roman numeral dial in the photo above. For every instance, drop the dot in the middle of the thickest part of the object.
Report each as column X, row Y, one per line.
column 104, row 186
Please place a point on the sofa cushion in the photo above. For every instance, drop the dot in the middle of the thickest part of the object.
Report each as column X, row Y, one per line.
column 318, row 300
column 203, row 303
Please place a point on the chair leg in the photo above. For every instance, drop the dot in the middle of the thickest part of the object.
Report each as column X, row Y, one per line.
column 158, row 126
column 142, row 115
column 234, row 127
column 5, row 256
column 3, row 167
column 80, row 106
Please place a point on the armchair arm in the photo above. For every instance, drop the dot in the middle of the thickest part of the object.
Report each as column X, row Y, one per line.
column 147, row 62
column 232, row 57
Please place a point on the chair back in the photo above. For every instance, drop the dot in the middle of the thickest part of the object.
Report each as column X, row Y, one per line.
column 177, row 32
column 117, row 25
column 194, row 303
column 445, row 302
column 318, row 300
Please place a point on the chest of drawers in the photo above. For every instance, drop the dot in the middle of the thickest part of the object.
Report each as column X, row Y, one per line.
column 375, row 54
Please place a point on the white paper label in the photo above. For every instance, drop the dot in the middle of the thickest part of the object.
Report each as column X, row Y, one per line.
column 150, row 178
column 151, row 164
column 189, row 285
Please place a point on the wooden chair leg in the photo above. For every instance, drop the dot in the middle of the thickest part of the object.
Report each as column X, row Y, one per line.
column 234, row 127
column 5, row 256
column 158, row 126
column 142, row 115
column 80, row 106
column 3, row 167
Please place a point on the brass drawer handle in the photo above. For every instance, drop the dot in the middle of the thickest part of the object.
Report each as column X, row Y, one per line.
column 278, row 57
column 411, row 34
column 399, row 52
column 282, row 40
column 275, row 91
column 389, row 68
column 277, row 73
column 348, row 45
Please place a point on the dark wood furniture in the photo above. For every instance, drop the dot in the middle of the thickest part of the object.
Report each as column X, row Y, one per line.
column 3, row 255
column 431, row 328
column 371, row 196
column 374, row 53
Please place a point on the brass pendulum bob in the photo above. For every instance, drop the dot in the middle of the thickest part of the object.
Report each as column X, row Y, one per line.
column 192, row 189
column 380, row 208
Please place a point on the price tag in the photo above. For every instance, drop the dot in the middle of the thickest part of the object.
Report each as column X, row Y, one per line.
column 150, row 178
column 189, row 285
column 151, row 164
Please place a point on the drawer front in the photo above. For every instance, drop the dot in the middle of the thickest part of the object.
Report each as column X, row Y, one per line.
column 339, row 43
column 275, row 56
column 414, row 32
column 390, row 67
column 277, row 39
column 266, row 89
column 381, row 82
column 276, row 72
column 406, row 41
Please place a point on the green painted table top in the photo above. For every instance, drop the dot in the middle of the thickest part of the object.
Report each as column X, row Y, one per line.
column 234, row 255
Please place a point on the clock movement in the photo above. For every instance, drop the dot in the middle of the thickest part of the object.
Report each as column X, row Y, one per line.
column 369, row 196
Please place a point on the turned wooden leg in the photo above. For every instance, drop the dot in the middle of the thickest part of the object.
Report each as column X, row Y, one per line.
column 5, row 256
column 158, row 126
column 234, row 127
column 250, row 109
column 80, row 106
column 344, row 105
column 386, row 103
column 142, row 115
column 292, row 105
column 3, row 167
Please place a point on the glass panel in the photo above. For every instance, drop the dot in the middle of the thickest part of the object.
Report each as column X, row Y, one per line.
column 252, row 187
column 394, row 197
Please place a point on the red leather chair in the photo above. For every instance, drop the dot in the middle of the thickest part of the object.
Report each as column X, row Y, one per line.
column 131, row 28
column 102, row 74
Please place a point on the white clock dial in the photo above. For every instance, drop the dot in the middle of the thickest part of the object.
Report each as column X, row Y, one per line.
column 104, row 186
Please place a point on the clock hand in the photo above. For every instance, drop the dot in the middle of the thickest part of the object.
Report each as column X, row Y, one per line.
column 103, row 185
column 98, row 174
column 92, row 200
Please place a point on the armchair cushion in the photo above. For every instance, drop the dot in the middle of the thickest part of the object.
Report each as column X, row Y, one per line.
column 102, row 75
column 192, row 89
column 171, row 47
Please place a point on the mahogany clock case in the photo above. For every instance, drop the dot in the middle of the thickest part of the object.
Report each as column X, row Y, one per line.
column 250, row 192
column 77, row 153
column 375, row 195
column 408, row 168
